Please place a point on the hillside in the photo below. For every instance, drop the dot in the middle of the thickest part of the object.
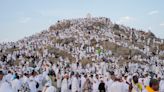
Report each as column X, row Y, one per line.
column 87, row 40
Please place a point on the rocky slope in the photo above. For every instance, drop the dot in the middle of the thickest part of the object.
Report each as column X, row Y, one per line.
column 87, row 40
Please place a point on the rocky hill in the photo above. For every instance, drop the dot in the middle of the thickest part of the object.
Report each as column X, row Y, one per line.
column 87, row 40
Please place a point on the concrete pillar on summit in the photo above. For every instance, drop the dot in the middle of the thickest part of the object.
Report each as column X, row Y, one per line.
column 88, row 16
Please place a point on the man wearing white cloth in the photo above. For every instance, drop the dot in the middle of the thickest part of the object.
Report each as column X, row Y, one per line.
column 161, row 85
column 75, row 84
column 16, row 84
column 117, row 85
column 64, row 84
column 4, row 86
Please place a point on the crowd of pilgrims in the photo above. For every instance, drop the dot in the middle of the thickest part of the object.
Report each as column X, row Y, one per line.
column 35, row 72
column 64, row 77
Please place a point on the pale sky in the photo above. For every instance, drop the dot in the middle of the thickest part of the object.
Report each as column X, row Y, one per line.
column 20, row 18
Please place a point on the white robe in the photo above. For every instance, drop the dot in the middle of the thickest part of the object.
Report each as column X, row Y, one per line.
column 146, row 81
column 82, row 82
column 59, row 81
column 5, row 87
column 161, row 86
column 116, row 87
column 64, row 86
column 95, row 85
column 9, row 77
column 16, row 85
column 109, row 83
column 75, row 84
column 125, row 87
column 51, row 89
column 32, row 85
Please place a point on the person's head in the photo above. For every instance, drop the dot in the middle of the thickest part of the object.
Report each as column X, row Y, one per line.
column 118, row 78
column 87, row 80
column 101, row 81
column 135, row 79
column 66, row 76
column 1, row 75
column 25, row 74
column 154, row 84
column 112, row 75
column 72, row 73
column 17, row 76
column 125, row 77
column 77, row 64
column 52, row 73
column 9, row 72
column 97, row 76
column 146, row 75
column 91, row 76
column 77, row 75
column 85, row 76
column 33, row 73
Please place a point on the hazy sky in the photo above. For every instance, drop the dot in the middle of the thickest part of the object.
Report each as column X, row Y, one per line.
column 20, row 18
